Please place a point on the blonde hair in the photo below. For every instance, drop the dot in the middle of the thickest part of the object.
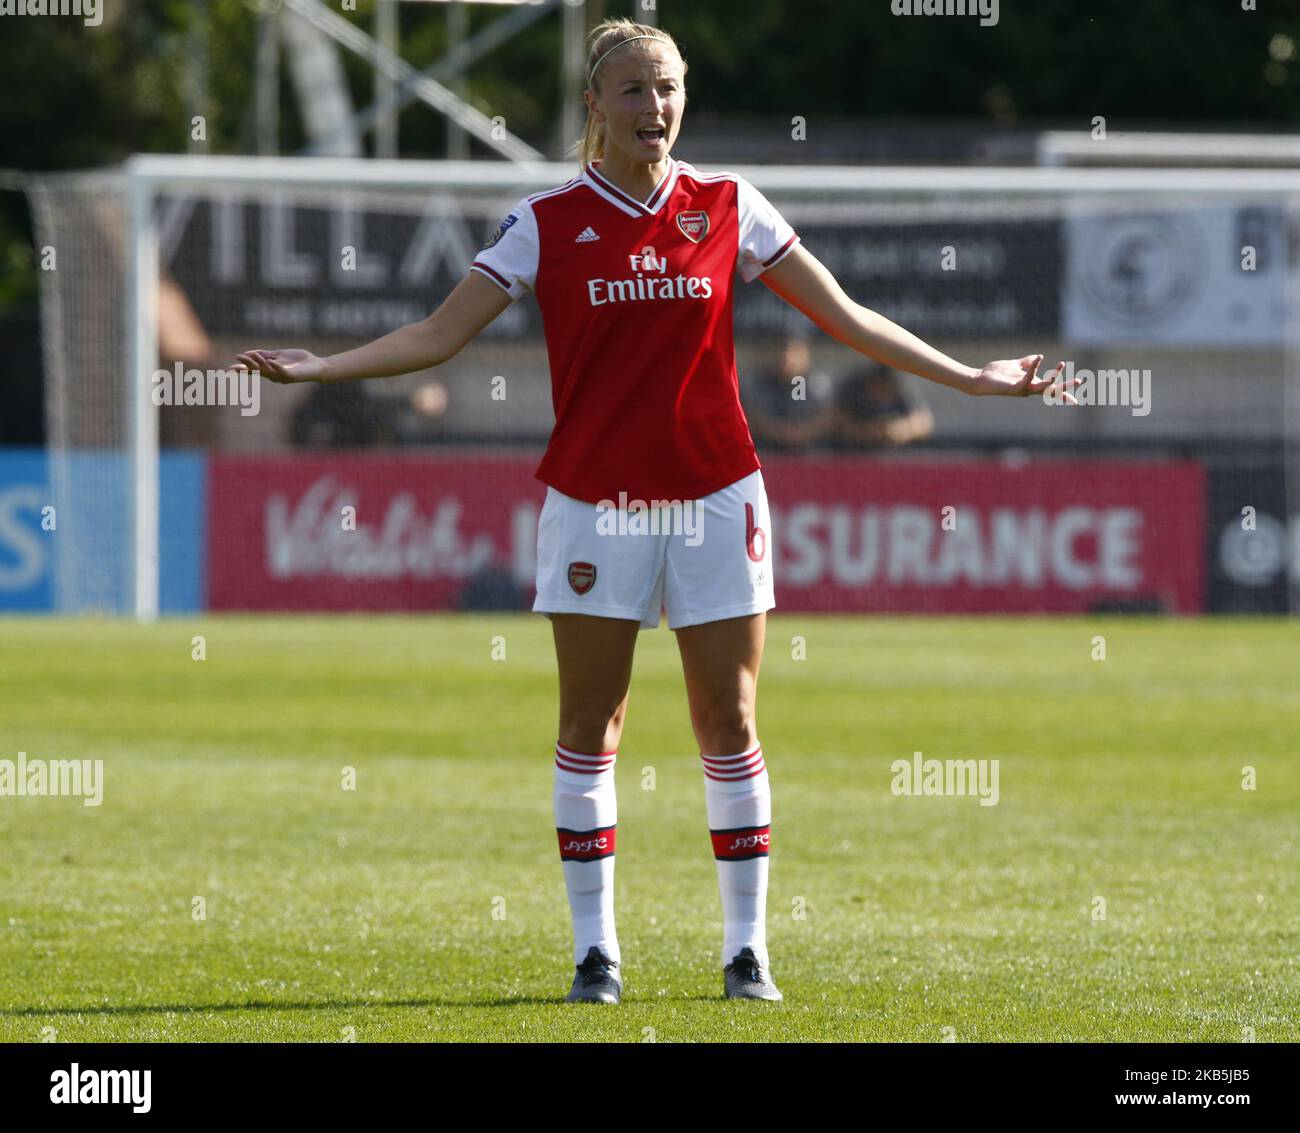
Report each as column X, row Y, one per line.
column 606, row 36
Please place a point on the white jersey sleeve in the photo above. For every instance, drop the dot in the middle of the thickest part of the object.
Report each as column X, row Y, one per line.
column 509, row 259
column 765, row 236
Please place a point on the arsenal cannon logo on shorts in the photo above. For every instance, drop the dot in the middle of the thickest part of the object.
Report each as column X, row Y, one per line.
column 582, row 577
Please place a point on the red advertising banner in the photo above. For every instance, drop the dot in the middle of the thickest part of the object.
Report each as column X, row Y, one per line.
column 359, row 532
column 982, row 536
column 281, row 538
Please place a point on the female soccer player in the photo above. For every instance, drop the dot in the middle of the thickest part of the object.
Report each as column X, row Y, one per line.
column 633, row 263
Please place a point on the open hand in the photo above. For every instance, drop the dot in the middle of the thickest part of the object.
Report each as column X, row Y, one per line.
column 1020, row 378
column 283, row 366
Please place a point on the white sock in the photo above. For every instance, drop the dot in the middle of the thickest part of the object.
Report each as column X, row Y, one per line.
column 586, row 815
column 739, row 803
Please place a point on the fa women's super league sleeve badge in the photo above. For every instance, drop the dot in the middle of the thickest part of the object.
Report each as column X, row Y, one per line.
column 501, row 230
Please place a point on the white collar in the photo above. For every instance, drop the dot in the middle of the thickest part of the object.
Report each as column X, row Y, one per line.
column 630, row 205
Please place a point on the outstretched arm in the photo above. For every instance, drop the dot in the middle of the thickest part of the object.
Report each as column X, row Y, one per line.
column 473, row 303
column 804, row 282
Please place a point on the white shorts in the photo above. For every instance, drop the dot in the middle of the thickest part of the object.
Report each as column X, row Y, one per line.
column 698, row 560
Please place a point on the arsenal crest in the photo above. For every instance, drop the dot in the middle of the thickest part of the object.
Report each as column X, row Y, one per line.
column 694, row 225
column 582, row 577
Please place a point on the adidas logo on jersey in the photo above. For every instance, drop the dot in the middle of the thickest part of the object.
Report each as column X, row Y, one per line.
column 587, row 235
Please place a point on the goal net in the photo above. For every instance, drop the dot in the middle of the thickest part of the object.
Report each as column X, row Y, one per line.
column 1172, row 488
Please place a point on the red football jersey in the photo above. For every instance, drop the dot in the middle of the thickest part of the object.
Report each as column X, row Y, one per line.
column 636, row 305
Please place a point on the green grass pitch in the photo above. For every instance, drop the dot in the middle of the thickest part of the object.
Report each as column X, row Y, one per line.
column 428, row 904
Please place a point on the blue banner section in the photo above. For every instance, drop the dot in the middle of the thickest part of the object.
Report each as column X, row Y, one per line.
column 183, row 536
column 36, row 540
column 26, row 551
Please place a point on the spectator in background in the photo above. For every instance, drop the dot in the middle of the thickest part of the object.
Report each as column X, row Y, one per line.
column 343, row 415
column 182, row 338
column 340, row 415
column 422, row 414
column 790, row 406
column 875, row 408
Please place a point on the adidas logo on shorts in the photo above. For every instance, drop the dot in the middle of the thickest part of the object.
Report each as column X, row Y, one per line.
column 587, row 235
